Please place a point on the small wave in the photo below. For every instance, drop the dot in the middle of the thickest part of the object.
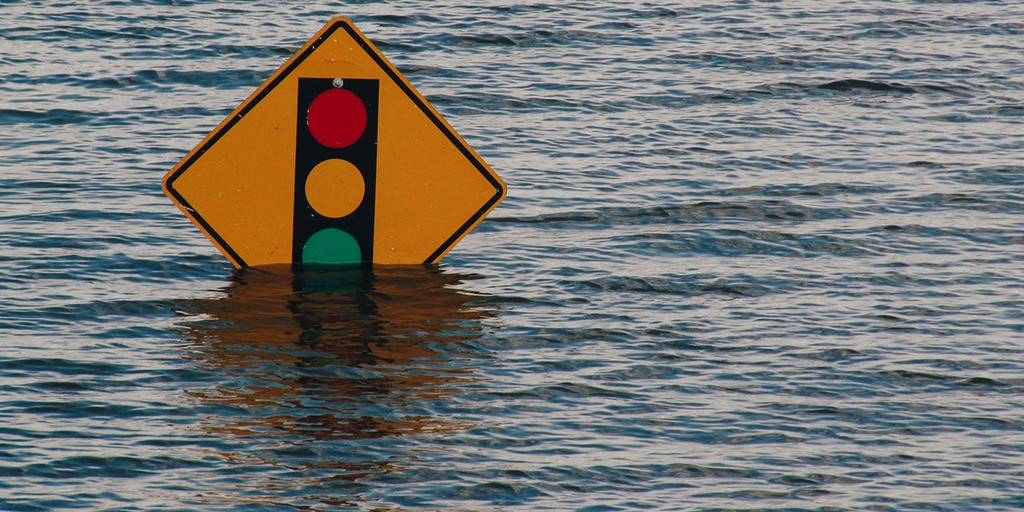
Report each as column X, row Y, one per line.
column 998, row 175
column 64, row 366
column 526, row 37
column 769, row 91
column 1003, row 110
column 496, row 492
column 487, row 102
column 980, row 382
column 857, row 85
column 418, row 69
column 812, row 190
column 705, row 211
column 568, row 391
column 91, row 466
column 56, row 116
column 63, row 34
column 682, row 285
column 483, row 40
column 85, row 409
column 761, row 63
column 222, row 79
column 404, row 19
column 219, row 50
column 228, row 78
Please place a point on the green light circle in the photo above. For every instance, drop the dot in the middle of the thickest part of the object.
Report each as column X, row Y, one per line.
column 331, row 246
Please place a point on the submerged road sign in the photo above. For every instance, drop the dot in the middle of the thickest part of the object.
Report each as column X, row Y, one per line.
column 336, row 159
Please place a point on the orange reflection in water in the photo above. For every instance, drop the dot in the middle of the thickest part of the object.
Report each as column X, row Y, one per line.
column 315, row 353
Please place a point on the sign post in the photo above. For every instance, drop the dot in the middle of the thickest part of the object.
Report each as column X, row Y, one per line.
column 336, row 159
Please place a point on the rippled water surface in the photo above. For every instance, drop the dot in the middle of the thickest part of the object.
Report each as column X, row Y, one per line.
column 755, row 256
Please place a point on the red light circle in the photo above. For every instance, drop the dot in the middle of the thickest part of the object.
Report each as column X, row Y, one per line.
column 336, row 118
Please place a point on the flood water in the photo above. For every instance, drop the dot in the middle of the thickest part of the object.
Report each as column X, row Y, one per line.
column 755, row 255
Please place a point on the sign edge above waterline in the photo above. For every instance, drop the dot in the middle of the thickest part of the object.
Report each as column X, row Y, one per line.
column 338, row 40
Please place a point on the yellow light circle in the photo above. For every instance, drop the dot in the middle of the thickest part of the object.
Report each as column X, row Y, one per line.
column 334, row 188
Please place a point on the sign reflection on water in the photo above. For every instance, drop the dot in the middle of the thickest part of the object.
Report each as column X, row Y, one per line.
column 336, row 354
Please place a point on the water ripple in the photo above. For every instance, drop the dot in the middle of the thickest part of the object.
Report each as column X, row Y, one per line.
column 755, row 256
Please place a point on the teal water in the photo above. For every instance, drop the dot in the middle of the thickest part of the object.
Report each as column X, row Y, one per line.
column 755, row 256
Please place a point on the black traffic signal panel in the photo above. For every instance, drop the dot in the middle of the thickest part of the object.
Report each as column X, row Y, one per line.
column 335, row 171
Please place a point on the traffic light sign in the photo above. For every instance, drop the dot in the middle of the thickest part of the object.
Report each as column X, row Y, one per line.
column 335, row 171
column 336, row 159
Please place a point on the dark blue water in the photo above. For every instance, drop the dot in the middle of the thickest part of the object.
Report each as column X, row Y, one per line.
column 755, row 256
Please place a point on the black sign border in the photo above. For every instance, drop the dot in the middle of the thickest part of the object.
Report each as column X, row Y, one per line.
column 346, row 25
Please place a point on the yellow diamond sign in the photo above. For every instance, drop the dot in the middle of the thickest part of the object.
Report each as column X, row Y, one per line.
column 336, row 159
